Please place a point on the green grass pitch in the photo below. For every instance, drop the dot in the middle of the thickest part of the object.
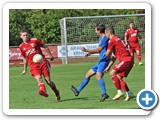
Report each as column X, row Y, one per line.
column 23, row 90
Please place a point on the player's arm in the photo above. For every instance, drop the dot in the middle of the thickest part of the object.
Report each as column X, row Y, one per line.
column 110, row 48
column 48, row 52
column 25, row 66
column 97, row 50
column 109, row 53
column 140, row 39
column 112, row 61
column 126, row 38
column 87, row 54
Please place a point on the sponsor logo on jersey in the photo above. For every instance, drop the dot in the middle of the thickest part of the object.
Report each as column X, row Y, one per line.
column 30, row 51
column 134, row 34
column 32, row 44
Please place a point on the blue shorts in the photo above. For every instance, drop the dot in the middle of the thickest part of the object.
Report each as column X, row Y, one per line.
column 100, row 67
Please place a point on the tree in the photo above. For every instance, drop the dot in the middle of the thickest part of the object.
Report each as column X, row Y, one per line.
column 44, row 23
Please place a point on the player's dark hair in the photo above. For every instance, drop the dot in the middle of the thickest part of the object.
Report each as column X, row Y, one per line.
column 101, row 28
column 131, row 22
column 110, row 30
column 23, row 30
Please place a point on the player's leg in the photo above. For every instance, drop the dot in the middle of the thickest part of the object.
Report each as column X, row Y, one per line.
column 46, row 73
column 126, row 89
column 139, row 57
column 53, row 87
column 101, row 82
column 41, row 86
column 99, row 78
column 123, row 84
column 85, row 80
column 116, row 82
column 83, row 83
column 123, row 72
column 131, row 50
column 138, row 54
column 36, row 73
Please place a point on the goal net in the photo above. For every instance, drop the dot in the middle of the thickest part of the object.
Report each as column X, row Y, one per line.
column 77, row 31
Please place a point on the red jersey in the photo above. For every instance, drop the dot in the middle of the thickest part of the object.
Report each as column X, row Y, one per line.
column 133, row 35
column 117, row 46
column 29, row 49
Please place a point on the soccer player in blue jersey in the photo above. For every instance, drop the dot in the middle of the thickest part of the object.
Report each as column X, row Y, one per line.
column 97, row 69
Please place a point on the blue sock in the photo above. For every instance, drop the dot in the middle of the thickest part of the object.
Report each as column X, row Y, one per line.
column 102, row 85
column 83, row 84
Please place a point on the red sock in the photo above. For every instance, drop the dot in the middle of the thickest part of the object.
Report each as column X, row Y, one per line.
column 42, row 87
column 132, row 56
column 53, row 86
column 116, row 82
column 139, row 57
column 124, row 86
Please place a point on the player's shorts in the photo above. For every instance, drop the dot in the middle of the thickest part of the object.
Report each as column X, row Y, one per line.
column 134, row 47
column 100, row 67
column 123, row 68
column 40, row 69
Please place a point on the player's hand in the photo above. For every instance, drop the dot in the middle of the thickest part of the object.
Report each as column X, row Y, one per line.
column 127, row 46
column 141, row 43
column 126, row 43
column 107, row 69
column 87, row 54
column 52, row 58
column 83, row 49
column 23, row 73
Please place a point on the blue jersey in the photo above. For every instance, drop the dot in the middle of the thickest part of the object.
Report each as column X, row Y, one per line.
column 103, row 42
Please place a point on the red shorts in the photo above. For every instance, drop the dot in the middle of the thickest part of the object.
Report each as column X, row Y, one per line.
column 123, row 68
column 134, row 47
column 40, row 69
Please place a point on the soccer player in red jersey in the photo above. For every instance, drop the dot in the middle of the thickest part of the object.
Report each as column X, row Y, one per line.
column 29, row 48
column 133, row 37
column 117, row 50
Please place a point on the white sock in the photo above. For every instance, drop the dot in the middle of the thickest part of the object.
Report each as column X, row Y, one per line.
column 119, row 91
column 129, row 93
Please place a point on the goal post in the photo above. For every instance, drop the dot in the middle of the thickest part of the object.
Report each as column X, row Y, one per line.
column 81, row 30
column 64, row 41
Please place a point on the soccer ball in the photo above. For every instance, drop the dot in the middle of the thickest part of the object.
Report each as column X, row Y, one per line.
column 37, row 58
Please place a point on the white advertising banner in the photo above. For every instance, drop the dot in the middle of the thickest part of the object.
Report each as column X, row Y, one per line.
column 75, row 50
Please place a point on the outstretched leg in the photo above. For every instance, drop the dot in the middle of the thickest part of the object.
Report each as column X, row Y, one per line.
column 83, row 84
column 53, row 87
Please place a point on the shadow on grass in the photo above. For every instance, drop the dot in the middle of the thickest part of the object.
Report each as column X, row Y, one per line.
column 72, row 99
